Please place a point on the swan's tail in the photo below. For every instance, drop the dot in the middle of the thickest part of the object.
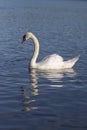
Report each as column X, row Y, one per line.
column 70, row 63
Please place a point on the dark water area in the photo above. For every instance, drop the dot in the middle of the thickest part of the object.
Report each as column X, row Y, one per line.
column 38, row 100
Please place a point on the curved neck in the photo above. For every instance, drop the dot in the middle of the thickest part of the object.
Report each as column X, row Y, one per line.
column 36, row 51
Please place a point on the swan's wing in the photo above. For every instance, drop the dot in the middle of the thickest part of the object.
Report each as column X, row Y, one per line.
column 56, row 56
column 51, row 61
column 52, row 58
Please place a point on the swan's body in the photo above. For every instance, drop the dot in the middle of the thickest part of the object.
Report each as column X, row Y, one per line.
column 53, row 61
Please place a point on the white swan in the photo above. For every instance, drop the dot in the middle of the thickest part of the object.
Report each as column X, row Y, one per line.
column 53, row 61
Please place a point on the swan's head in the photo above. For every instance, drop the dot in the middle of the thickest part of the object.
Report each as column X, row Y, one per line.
column 27, row 36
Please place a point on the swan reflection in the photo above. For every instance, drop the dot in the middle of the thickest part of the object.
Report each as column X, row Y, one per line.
column 39, row 78
column 52, row 75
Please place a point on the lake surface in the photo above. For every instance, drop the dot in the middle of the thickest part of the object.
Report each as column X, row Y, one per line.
column 43, row 100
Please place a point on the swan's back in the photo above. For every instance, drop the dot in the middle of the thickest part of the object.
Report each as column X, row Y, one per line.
column 56, row 62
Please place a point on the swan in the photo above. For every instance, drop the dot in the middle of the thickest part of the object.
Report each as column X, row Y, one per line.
column 53, row 61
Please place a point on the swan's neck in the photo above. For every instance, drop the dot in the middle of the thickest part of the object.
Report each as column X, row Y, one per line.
column 35, row 53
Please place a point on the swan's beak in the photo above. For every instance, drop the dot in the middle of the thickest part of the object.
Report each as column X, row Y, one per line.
column 23, row 39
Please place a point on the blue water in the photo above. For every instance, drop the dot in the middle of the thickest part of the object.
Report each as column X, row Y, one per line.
column 52, row 100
